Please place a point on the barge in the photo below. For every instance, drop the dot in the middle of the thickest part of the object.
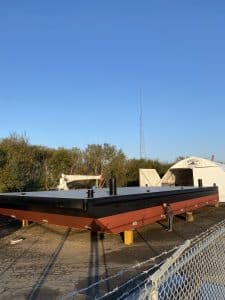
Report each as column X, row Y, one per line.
column 99, row 210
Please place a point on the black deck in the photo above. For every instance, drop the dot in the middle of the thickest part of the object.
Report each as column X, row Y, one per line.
column 76, row 204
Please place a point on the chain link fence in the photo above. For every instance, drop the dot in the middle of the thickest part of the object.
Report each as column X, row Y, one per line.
column 194, row 270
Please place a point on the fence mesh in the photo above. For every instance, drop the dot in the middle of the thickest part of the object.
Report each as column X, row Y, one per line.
column 194, row 270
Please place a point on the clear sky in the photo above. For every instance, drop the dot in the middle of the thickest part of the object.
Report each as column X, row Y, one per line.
column 71, row 73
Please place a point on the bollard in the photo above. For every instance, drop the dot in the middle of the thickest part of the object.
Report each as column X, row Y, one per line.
column 112, row 186
column 90, row 193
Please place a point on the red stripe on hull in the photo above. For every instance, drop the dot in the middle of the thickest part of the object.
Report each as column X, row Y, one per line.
column 43, row 218
column 116, row 223
column 138, row 218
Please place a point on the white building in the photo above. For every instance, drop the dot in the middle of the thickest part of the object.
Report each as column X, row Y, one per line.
column 188, row 171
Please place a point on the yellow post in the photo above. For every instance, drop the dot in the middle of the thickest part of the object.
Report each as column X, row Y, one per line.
column 189, row 216
column 217, row 204
column 128, row 237
column 25, row 223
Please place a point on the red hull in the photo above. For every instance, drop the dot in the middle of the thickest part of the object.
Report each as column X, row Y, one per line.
column 115, row 223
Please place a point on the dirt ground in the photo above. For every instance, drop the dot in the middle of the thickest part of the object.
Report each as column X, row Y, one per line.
column 52, row 261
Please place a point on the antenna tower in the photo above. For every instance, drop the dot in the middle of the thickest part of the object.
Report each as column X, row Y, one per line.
column 142, row 145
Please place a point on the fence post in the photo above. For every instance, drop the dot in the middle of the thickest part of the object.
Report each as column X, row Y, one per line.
column 157, row 276
column 154, row 294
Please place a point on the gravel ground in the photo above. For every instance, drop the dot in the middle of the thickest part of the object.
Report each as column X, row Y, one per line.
column 52, row 261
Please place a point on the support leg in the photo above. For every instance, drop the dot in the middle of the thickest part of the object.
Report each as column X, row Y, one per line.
column 128, row 237
column 217, row 204
column 25, row 223
column 170, row 223
column 189, row 216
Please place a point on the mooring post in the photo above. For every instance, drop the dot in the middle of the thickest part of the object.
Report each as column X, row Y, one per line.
column 112, row 186
column 128, row 237
column 189, row 217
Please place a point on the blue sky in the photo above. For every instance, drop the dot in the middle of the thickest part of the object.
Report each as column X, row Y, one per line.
column 71, row 74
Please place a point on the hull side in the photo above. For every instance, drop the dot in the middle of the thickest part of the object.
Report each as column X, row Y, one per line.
column 46, row 218
column 114, row 223
column 136, row 219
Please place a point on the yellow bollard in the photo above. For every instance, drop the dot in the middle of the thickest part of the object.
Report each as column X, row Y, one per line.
column 128, row 237
column 189, row 216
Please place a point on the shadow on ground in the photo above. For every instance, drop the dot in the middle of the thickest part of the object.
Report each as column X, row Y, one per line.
column 8, row 226
column 149, row 241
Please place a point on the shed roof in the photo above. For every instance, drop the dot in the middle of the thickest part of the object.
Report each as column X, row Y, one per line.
column 197, row 162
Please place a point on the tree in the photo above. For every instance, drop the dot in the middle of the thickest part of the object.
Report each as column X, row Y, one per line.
column 105, row 159
column 25, row 167
column 133, row 166
column 18, row 171
column 77, row 161
column 59, row 162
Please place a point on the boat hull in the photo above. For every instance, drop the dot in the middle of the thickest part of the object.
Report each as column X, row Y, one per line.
column 115, row 222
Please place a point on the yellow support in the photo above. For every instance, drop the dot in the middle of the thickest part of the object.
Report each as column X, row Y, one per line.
column 25, row 223
column 128, row 237
column 189, row 217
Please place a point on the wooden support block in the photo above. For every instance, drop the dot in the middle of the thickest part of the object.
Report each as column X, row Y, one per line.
column 128, row 237
column 189, row 216
column 25, row 223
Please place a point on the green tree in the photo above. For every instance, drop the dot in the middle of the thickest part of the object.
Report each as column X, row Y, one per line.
column 60, row 162
column 77, row 161
column 133, row 166
column 105, row 159
column 25, row 167
column 18, row 171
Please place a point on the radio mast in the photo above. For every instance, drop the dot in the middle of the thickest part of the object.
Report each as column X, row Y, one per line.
column 141, row 133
